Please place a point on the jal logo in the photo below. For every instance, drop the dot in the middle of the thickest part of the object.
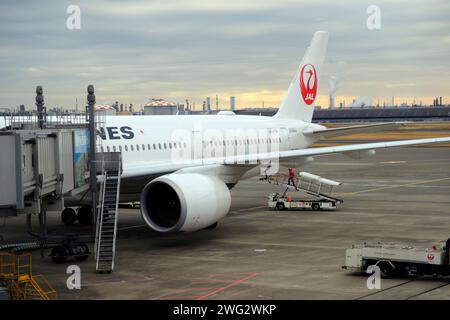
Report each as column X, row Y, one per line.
column 308, row 83
column 430, row 257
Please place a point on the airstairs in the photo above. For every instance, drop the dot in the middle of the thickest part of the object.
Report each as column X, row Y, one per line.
column 105, row 240
column 16, row 273
column 308, row 183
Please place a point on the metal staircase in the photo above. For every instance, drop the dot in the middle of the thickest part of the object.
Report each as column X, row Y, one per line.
column 17, row 275
column 313, row 187
column 105, row 240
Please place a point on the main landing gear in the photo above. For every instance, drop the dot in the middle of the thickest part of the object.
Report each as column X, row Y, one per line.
column 83, row 215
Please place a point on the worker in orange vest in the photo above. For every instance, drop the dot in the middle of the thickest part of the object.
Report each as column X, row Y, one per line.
column 291, row 177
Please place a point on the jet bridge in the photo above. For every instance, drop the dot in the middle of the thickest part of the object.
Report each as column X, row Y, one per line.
column 39, row 167
column 46, row 158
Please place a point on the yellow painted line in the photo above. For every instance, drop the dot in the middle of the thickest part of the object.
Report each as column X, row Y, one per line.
column 397, row 186
column 131, row 227
column 252, row 208
column 392, row 162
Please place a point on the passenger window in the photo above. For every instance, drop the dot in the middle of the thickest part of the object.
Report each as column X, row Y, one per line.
column 131, row 147
column 107, row 148
column 126, row 148
column 114, row 148
column 120, row 148
column 170, row 145
column 102, row 149
column 137, row 147
column 165, row 145
column 159, row 145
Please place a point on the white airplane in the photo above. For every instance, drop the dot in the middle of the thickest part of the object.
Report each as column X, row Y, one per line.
column 179, row 193
column 181, row 168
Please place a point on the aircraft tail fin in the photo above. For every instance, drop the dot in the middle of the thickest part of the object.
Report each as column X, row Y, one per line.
column 298, row 102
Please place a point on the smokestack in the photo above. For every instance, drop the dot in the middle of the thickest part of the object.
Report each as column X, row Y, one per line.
column 440, row 101
column 333, row 82
column 331, row 105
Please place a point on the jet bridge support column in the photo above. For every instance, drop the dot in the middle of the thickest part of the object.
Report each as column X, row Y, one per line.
column 92, row 165
column 40, row 107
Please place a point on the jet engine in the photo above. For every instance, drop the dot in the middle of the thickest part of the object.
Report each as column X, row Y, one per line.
column 184, row 202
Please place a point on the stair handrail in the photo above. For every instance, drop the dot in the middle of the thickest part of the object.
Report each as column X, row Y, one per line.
column 100, row 213
column 119, row 171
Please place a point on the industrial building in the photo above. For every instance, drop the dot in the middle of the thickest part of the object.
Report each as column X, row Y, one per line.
column 106, row 109
column 232, row 103
column 160, row 107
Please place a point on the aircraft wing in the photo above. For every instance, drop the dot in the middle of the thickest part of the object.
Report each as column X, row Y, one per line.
column 357, row 147
column 367, row 128
column 145, row 169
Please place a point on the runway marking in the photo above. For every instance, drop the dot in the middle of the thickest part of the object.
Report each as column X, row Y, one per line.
column 251, row 208
column 234, row 283
column 196, row 290
column 132, row 227
column 426, row 291
column 382, row 290
column 392, row 162
column 441, row 285
column 396, row 186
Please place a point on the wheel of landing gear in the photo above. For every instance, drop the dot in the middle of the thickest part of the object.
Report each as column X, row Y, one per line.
column 315, row 207
column 85, row 216
column 68, row 216
column 83, row 252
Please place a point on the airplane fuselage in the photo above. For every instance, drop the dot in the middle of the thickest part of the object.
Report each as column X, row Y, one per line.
column 153, row 140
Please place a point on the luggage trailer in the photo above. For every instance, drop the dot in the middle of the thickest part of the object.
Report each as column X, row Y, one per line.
column 397, row 260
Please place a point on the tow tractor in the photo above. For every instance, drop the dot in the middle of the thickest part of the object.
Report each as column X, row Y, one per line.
column 396, row 259
column 308, row 183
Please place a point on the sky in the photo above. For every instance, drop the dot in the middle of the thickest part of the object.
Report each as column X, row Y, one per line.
column 132, row 51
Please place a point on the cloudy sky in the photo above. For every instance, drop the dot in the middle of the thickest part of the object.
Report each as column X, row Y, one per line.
column 135, row 50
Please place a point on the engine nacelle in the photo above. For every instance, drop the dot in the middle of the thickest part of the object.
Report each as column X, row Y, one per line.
column 184, row 202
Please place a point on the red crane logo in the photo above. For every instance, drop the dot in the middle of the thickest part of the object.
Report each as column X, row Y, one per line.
column 308, row 83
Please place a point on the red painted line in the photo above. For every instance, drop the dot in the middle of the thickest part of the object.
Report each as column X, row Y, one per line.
column 209, row 290
column 232, row 284
column 179, row 297
column 211, row 281
column 195, row 289
column 231, row 274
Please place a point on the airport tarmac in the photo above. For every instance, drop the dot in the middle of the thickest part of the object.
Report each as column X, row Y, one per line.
column 255, row 253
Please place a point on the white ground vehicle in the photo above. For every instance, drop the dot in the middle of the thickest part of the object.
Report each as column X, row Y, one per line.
column 280, row 202
column 308, row 183
column 396, row 259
